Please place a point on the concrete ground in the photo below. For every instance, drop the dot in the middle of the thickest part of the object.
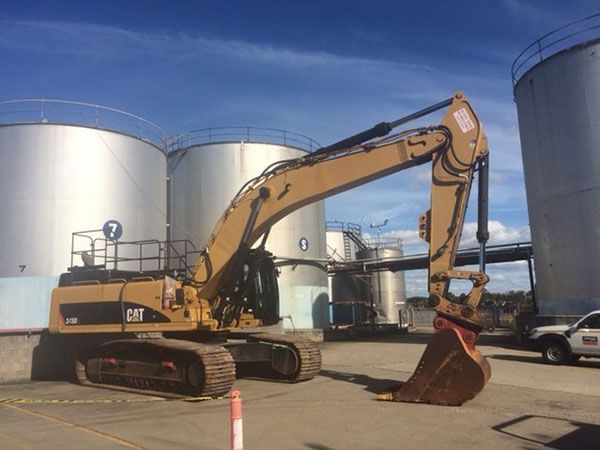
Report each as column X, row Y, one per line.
column 527, row 405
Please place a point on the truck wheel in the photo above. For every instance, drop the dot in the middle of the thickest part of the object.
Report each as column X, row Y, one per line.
column 555, row 352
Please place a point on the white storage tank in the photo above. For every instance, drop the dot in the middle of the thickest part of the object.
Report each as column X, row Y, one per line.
column 205, row 176
column 557, row 90
column 388, row 289
column 67, row 167
column 344, row 239
column 349, row 294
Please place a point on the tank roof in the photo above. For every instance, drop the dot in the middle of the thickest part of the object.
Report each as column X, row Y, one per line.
column 68, row 112
column 577, row 34
column 254, row 135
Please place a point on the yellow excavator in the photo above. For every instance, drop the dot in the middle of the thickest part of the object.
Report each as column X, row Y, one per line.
column 200, row 315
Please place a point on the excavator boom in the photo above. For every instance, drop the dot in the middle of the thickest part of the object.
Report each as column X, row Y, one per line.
column 451, row 370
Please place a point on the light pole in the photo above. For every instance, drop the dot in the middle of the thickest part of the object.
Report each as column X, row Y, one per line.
column 379, row 226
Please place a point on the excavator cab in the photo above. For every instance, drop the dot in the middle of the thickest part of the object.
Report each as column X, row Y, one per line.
column 263, row 292
column 252, row 289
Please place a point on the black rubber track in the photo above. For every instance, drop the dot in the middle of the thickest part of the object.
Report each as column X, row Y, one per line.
column 308, row 353
column 217, row 364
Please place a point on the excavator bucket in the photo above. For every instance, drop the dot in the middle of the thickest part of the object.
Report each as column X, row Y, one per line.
column 450, row 372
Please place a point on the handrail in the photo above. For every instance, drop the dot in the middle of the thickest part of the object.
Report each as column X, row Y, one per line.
column 384, row 243
column 241, row 133
column 43, row 110
column 336, row 225
column 523, row 62
column 145, row 255
column 416, row 257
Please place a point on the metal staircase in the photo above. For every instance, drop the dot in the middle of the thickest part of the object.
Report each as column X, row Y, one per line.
column 352, row 233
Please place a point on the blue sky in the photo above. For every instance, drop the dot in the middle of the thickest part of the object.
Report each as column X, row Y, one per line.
column 325, row 69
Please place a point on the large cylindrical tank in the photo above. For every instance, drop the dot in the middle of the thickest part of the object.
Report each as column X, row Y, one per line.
column 558, row 102
column 349, row 294
column 339, row 246
column 344, row 287
column 350, row 299
column 205, row 177
column 56, row 179
column 388, row 289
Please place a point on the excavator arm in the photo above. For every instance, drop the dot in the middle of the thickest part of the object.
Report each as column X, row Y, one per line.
column 299, row 183
column 454, row 147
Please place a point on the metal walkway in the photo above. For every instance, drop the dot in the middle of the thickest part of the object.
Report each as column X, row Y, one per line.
column 520, row 251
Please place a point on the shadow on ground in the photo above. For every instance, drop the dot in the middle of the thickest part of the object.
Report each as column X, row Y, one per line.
column 418, row 337
column 537, row 359
column 315, row 446
column 552, row 432
column 373, row 385
column 53, row 359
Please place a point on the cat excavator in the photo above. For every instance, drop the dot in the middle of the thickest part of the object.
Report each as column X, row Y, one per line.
column 182, row 333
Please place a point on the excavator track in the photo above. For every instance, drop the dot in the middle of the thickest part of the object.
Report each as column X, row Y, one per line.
column 162, row 366
column 308, row 354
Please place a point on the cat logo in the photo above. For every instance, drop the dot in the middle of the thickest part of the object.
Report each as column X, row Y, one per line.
column 135, row 314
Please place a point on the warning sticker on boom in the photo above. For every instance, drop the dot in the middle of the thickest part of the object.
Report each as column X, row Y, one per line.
column 464, row 120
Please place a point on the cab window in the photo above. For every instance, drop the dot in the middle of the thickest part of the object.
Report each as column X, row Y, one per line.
column 591, row 322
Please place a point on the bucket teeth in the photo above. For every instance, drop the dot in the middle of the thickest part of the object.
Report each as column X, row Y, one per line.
column 450, row 372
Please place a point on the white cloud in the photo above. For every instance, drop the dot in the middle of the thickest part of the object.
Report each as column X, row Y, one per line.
column 361, row 91
column 423, row 176
column 499, row 234
column 410, row 238
column 497, row 177
column 416, row 283
column 113, row 42
column 503, row 276
column 525, row 10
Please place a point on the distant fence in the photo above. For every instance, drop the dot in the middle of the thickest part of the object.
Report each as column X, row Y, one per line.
column 422, row 317
column 493, row 318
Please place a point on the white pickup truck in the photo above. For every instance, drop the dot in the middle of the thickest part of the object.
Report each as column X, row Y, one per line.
column 567, row 343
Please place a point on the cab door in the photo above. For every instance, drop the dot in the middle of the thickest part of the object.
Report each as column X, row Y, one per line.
column 586, row 339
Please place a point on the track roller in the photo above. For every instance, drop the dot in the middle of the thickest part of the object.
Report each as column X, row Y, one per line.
column 159, row 365
column 276, row 356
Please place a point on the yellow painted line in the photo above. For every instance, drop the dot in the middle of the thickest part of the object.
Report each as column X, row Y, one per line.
column 99, row 434
column 45, row 401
